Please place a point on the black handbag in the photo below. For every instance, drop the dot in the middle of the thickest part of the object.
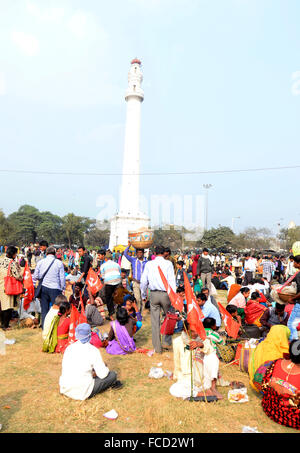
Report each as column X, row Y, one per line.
column 38, row 289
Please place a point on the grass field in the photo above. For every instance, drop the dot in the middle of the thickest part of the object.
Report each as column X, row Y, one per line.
column 30, row 400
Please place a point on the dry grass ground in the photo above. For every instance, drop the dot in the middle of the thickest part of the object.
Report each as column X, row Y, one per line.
column 30, row 400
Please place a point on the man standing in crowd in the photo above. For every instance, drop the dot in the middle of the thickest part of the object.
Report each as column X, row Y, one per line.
column 138, row 263
column 249, row 270
column 268, row 268
column 84, row 264
column 159, row 298
column 204, row 269
column 110, row 273
column 169, row 257
column 52, row 273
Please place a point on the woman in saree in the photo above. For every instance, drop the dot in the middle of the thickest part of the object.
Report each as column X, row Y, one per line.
column 120, row 337
column 279, row 382
column 275, row 346
column 63, row 327
column 9, row 302
column 254, row 310
column 58, row 334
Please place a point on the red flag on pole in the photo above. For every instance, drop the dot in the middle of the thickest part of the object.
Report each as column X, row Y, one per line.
column 175, row 299
column 194, row 312
column 231, row 326
column 29, row 287
column 93, row 282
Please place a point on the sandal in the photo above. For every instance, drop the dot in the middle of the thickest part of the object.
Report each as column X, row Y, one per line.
column 208, row 399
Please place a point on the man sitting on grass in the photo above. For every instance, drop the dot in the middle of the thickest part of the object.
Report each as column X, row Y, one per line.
column 205, row 365
column 84, row 374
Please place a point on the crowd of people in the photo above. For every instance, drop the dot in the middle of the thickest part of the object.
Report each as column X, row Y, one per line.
column 121, row 287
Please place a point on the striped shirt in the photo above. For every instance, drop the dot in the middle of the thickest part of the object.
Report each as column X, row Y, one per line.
column 137, row 265
column 214, row 337
column 110, row 273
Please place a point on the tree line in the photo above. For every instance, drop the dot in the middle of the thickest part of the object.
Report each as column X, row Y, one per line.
column 29, row 225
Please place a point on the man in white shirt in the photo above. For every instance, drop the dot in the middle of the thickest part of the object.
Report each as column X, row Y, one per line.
column 84, row 374
column 159, row 298
column 249, row 270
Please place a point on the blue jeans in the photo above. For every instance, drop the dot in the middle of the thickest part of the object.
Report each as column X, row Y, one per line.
column 48, row 296
column 293, row 322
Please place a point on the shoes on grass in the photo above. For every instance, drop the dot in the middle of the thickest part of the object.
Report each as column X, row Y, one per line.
column 117, row 385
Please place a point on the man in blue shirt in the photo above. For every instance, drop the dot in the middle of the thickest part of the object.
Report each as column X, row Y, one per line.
column 138, row 263
column 208, row 309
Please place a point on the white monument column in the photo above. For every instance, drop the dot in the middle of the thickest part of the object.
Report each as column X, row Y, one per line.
column 129, row 196
column 129, row 217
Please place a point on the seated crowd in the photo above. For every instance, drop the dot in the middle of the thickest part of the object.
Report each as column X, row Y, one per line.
column 70, row 325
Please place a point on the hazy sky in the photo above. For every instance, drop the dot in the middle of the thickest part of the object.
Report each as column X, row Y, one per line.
column 221, row 87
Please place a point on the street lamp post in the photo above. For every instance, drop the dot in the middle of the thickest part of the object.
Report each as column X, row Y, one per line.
column 206, row 186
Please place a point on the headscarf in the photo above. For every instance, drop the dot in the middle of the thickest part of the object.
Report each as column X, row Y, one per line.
column 272, row 348
column 83, row 332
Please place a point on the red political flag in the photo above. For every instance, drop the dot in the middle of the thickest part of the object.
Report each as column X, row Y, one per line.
column 93, row 282
column 29, row 287
column 75, row 319
column 194, row 312
column 231, row 326
column 175, row 299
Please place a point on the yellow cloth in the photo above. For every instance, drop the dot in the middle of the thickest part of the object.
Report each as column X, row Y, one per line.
column 272, row 348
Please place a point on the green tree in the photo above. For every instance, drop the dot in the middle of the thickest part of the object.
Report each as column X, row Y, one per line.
column 6, row 229
column 73, row 228
column 49, row 227
column 215, row 238
column 25, row 222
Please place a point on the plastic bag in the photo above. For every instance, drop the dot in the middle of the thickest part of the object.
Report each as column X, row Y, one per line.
column 238, row 395
column 156, row 373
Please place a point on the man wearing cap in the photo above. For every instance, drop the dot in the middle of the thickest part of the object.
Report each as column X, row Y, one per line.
column 138, row 263
column 84, row 374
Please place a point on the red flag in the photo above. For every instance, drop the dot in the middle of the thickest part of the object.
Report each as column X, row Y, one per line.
column 175, row 299
column 93, row 282
column 75, row 319
column 231, row 326
column 29, row 287
column 194, row 312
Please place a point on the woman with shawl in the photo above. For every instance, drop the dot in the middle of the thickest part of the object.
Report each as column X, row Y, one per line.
column 273, row 347
column 120, row 337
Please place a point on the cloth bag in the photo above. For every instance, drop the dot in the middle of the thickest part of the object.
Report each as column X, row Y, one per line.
column 12, row 286
column 168, row 326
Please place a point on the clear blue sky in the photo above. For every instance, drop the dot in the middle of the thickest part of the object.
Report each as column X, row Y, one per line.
column 219, row 95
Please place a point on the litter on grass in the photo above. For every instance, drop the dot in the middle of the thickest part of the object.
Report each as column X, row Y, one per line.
column 111, row 415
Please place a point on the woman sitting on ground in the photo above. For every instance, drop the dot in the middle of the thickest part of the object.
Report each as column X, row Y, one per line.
column 240, row 301
column 205, row 366
column 254, row 310
column 120, row 337
column 279, row 381
column 274, row 346
column 63, row 327
column 58, row 333
column 132, row 310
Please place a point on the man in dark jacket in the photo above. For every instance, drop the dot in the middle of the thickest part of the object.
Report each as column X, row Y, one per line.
column 204, row 269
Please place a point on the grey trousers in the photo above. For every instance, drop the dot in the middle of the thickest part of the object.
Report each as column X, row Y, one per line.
column 206, row 280
column 137, row 294
column 159, row 300
column 102, row 384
